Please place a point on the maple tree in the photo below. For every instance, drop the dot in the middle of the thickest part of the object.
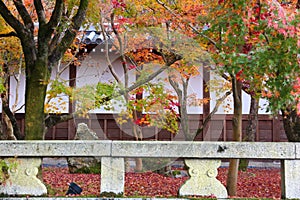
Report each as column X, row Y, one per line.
column 236, row 36
column 259, row 49
column 194, row 56
column 182, row 16
column 241, row 35
column 42, row 46
column 276, row 59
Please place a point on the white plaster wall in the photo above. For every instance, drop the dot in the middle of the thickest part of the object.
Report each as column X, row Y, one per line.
column 196, row 87
column 64, row 76
column 94, row 69
column 17, row 94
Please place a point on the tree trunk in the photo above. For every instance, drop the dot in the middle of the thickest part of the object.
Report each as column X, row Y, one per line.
column 182, row 99
column 237, row 135
column 10, row 128
column 252, row 121
column 184, row 119
column 138, row 165
column 184, row 123
column 36, row 86
column 138, row 136
column 251, row 129
column 291, row 124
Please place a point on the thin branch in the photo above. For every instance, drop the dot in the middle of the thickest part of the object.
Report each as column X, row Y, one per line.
column 10, row 19
column 20, row 108
column 13, row 120
column 209, row 116
column 178, row 91
column 55, row 17
column 17, row 78
column 39, row 8
column 70, row 33
column 175, row 85
column 52, row 120
column 24, row 14
column 124, row 65
column 149, row 78
column 188, row 24
column 110, row 66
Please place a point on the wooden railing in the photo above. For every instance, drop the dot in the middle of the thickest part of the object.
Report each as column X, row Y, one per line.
column 202, row 158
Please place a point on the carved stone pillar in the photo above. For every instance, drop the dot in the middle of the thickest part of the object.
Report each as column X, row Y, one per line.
column 203, row 180
column 290, row 176
column 112, row 175
column 22, row 178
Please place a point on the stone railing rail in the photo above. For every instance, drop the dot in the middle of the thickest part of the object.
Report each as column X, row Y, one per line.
column 202, row 158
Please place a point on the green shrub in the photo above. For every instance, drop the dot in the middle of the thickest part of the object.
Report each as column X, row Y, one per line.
column 94, row 169
column 158, row 165
column 4, row 166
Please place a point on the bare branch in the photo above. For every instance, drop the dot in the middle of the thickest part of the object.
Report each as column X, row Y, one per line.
column 209, row 116
column 124, row 65
column 149, row 78
column 10, row 19
column 20, row 108
column 24, row 15
column 39, row 8
column 70, row 33
column 109, row 63
column 52, row 120
column 17, row 78
column 55, row 17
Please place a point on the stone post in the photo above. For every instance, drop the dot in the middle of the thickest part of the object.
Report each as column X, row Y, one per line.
column 290, row 177
column 203, row 180
column 22, row 178
column 112, row 175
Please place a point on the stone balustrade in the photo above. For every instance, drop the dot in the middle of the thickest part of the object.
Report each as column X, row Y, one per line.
column 202, row 158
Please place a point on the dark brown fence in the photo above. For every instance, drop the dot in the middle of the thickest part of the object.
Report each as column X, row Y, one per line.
column 268, row 130
column 220, row 129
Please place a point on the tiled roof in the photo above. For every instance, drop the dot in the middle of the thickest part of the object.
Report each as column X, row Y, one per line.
column 94, row 36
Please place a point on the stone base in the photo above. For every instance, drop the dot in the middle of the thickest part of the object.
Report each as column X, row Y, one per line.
column 203, row 180
column 22, row 178
column 290, row 176
column 112, row 175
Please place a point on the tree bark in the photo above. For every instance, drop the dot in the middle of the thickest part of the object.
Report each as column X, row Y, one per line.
column 237, row 135
column 291, row 124
column 252, row 121
column 182, row 99
column 36, row 87
column 251, row 129
column 10, row 125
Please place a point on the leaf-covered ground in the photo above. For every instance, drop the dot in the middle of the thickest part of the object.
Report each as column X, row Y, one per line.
column 255, row 182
